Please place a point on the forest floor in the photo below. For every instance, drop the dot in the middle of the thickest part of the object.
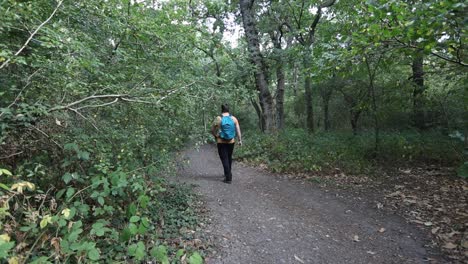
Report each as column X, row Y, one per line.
column 273, row 218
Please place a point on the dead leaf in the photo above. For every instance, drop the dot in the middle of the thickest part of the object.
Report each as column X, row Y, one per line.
column 381, row 230
column 356, row 238
column 371, row 252
column 417, row 222
column 409, row 201
column 464, row 244
column 428, row 223
column 435, row 230
column 449, row 245
column 394, row 194
column 58, row 122
column 298, row 259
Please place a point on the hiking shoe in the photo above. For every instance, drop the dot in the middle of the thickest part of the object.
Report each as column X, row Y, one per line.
column 226, row 181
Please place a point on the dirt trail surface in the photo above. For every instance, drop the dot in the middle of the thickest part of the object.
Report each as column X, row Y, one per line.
column 262, row 218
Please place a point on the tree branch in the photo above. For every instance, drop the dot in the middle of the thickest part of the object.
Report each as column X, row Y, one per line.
column 5, row 63
column 93, row 97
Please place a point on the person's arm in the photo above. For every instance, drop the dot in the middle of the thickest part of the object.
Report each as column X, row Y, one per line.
column 238, row 131
column 214, row 128
column 213, row 131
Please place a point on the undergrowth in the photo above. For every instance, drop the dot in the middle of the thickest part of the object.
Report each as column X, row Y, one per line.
column 295, row 150
column 94, row 198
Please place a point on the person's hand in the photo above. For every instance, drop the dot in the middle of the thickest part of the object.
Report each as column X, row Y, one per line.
column 240, row 143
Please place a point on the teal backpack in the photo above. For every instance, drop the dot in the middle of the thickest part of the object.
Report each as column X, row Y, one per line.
column 227, row 130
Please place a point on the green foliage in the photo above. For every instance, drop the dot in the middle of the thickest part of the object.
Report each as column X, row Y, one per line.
column 298, row 151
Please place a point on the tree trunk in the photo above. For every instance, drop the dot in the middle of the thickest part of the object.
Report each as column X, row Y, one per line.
column 308, row 96
column 371, row 75
column 354, row 121
column 280, row 96
column 261, row 123
column 418, row 81
column 251, row 34
column 326, row 93
column 280, row 79
column 326, row 115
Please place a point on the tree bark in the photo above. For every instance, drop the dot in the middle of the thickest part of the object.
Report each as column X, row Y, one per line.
column 280, row 79
column 280, row 97
column 371, row 75
column 354, row 120
column 326, row 113
column 418, row 81
column 251, row 34
column 308, row 96
column 261, row 124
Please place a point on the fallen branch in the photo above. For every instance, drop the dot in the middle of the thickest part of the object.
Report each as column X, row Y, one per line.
column 5, row 63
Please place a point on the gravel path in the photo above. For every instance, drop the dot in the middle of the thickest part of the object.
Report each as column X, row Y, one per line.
column 262, row 218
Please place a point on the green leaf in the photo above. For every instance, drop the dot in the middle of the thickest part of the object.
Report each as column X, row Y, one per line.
column 140, row 252
column 125, row 235
column 6, row 172
column 101, row 200
column 67, row 177
column 143, row 199
column 93, row 254
column 137, row 250
column 83, row 155
column 3, row 186
column 195, row 259
column 71, row 146
column 180, row 253
column 70, row 192
column 131, row 210
column 160, row 254
column 134, row 219
column 5, row 247
column 133, row 228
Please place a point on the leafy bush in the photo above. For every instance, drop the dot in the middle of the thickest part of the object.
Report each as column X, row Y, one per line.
column 295, row 150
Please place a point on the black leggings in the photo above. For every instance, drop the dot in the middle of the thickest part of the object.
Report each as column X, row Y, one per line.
column 225, row 154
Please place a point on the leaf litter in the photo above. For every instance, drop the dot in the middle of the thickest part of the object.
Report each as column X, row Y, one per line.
column 431, row 197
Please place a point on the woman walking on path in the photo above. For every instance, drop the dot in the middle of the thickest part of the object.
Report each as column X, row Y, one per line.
column 225, row 128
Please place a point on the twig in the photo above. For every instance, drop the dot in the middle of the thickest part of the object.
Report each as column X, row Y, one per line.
column 12, row 155
column 85, row 118
column 78, row 192
column 33, row 246
column 45, row 134
column 99, row 105
column 19, row 94
column 32, row 35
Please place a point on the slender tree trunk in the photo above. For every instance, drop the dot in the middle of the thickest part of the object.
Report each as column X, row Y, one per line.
column 251, row 34
column 308, row 96
column 326, row 115
column 280, row 80
column 354, row 121
column 295, row 79
column 280, row 97
column 371, row 75
column 418, row 81
column 261, row 123
column 326, row 93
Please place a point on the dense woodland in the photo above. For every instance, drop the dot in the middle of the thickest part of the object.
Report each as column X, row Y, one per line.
column 97, row 96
